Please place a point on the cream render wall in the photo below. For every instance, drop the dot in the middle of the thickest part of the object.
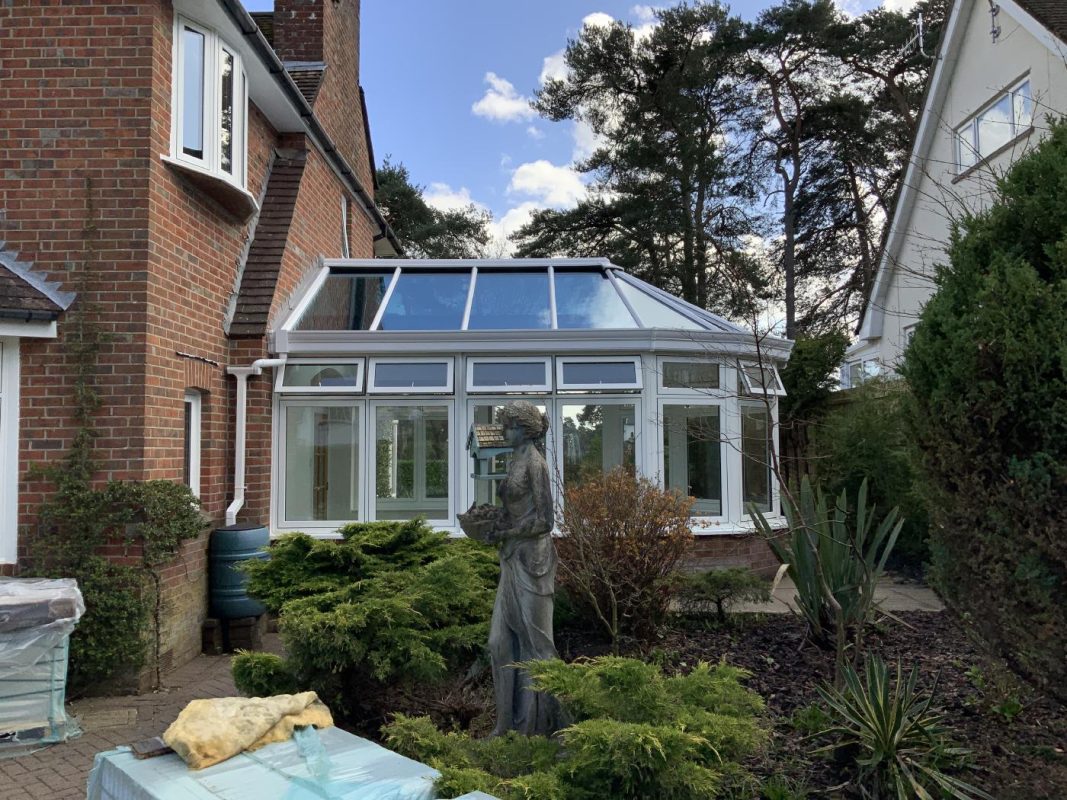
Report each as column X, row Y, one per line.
column 976, row 73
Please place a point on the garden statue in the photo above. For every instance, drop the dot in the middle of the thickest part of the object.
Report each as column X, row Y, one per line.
column 521, row 628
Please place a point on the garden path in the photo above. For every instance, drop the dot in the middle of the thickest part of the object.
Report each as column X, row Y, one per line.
column 894, row 594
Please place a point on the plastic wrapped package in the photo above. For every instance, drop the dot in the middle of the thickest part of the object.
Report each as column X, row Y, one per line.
column 37, row 616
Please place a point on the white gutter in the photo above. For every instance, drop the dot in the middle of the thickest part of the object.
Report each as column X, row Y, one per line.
column 242, row 374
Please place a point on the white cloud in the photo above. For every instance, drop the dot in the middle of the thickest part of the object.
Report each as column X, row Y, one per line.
column 585, row 140
column 549, row 184
column 554, row 67
column 851, row 8
column 444, row 198
column 903, row 6
column 501, row 102
column 598, row 19
column 534, row 132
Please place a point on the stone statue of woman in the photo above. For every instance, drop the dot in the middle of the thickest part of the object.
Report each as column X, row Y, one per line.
column 521, row 628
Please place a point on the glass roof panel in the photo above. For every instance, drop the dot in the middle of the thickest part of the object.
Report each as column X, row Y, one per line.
column 655, row 313
column 345, row 302
column 511, row 300
column 427, row 301
column 588, row 300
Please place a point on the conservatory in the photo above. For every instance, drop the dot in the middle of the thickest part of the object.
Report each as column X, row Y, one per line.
column 392, row 370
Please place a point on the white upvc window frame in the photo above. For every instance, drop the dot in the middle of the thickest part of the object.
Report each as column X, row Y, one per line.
column 592, row 399
column 281, row 388
column 211, row 162
column 778, row 390
column 321, row 527
column 371, row 448
column 9, row 449
column 346, row 246
column 544, row 387
column 447, row 388
column 969, row 155
column 695, row 400
column 689, row 391
column 193, row 405
column 563, row 386
column 771, row 407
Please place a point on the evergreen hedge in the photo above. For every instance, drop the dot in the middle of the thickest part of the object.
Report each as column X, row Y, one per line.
column 988, row 371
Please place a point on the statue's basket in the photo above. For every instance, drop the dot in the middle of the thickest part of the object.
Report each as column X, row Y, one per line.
column 478, row 527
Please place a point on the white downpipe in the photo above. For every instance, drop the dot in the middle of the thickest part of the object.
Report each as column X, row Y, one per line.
column 242, row 374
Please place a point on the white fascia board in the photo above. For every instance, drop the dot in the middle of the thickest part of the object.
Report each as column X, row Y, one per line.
column 873, row 317
column 35, row 329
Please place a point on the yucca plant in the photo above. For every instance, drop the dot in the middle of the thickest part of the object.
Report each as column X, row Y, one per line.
column 901, row 741
column 834, row 558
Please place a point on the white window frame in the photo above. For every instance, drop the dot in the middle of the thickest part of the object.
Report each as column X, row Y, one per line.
column 563, row 386
column 725, row 487
column 211, row 163
column 640, row 425
column 9, row 449
column 689, row 391
column 322, row 526
column 973, row 125
column 193, row 404
column 908, row 332
column 540, row 388
column 371, row 448
column 772, row 425
column 281, row 388
column 447, row 388
column 760, row 391
column 346, row 247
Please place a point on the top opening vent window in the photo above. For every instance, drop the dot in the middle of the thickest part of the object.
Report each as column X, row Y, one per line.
column 399, row 375
column 761, row 380
column 1008, row 116
column 605, row 373
column 508, row 375
column 686, row 375
column 321, row 376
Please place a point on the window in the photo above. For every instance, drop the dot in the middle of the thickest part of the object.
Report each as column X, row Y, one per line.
column 760, row 380
column 909, row 332
column 321, row 462
column 508, row 375
column 191, row 461
column 345, row 245
column 510, row 300
column 411, row 462
column 692, row 456
column 597, row 437
column 321, row 376
column 588, row 300
column 492, row 469
column 684, row 376
column 599, row 373
column 1008, row 116
column 426, row 301
column 756, row 444
column 9, row 449
column 389, row 376
column 346, row 302
column 210, row 102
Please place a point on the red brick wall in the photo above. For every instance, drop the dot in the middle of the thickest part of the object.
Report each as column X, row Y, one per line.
column 728, row 550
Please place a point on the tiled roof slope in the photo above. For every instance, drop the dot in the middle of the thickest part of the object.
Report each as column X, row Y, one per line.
column 265, row 21
column 25, row 294
column 308, row 79
column 264, row 261
column 1050, row 13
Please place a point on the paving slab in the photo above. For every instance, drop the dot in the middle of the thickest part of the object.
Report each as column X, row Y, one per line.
column 893, row 593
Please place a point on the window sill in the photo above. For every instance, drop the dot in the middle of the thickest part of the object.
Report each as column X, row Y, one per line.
column 237, row 202
column 984, row 162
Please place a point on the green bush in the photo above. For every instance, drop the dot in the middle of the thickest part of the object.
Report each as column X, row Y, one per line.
column 263, row 674
column 897, row 735
column 717, row 590
column 866, row 439
column 392, row 602
column 636, row 734
column 987, row 369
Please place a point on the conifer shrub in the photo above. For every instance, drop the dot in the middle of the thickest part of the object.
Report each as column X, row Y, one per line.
column 637, row 733
column 390, row 603
column 987, row 369
column 717, row 590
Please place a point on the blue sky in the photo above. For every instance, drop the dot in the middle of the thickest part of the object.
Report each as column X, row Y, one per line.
column 447, row 86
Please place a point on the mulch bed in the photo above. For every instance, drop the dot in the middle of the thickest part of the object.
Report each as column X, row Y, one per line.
column 1015, row 756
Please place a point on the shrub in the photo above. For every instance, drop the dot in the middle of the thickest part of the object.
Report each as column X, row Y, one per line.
column 623, row 538
column 988, row 375
column 263, row 674
column 718, row 589
column 390, row 603
column 637, row 734
column 900, row 742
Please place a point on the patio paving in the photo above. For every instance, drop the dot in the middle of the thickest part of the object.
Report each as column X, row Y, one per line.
column 894, row 594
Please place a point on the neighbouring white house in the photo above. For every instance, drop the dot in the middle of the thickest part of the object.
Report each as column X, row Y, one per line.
column 1000, row 75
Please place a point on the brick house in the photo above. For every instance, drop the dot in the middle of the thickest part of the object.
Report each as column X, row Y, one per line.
column 179, row 167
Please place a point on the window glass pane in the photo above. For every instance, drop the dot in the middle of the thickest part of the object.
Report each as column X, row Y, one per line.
column 762, row 379
column 339, row 375
column 756, row 457
column 192, row 50
column 321, row 463
column 345, row 303
column 653, row 313
column 968, row 154
column 508, row 373
column 599, row 373
column 226, row 113
column 411, row 474
column 485, row 491
column 855, row 373
column 690, row 375
column 692, row 456
column 588, row 300
column 410, row 375
column 995, row 126
column 596, row 439
column 427, row 301
column 1024, row 107
column 187, row 467
column 510, row 301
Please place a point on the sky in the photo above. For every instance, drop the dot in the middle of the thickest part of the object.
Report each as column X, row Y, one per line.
column 448, row 84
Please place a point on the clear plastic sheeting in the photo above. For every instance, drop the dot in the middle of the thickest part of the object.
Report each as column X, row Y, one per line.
column 315, row 764
column 37, row 617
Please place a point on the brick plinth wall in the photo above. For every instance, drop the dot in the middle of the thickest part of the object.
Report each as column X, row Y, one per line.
column 729, row 550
